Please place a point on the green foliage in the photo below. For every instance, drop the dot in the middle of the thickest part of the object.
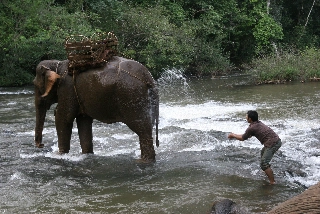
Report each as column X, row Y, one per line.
column 177, row 15
column 156, row 41
column 266, row 31
column 35, row 34
column 104, row 15
column 207, row 57
column 200, row 37
column 301, row 23
column 149, row 37
column 288, row 67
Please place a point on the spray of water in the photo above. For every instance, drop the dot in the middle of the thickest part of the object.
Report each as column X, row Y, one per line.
column 173, row 83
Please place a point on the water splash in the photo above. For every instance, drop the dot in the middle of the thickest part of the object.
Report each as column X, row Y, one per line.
column 173, row 84
column 173, row 76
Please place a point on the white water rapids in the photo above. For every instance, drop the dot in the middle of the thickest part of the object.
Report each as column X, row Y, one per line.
column 196, row 163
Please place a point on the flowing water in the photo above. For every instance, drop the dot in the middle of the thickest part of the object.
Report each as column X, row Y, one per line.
column 196, row 163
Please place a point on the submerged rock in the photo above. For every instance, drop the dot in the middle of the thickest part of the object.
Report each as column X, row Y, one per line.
column 225, row 206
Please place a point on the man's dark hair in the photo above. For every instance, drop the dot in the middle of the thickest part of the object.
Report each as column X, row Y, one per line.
column 253, row 115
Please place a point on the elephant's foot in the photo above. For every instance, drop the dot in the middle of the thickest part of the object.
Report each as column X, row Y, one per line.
column 87, row 152
column 87, row 149
column 61, row 151
column 143, row 161
column 147, row 150
column 39, row 145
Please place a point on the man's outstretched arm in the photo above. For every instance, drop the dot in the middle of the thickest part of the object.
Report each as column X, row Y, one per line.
column 236, row 136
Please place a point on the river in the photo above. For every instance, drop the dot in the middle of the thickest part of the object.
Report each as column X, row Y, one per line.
column 196, row 163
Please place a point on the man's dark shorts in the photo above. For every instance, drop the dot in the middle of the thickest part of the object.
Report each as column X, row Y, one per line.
column 267, row 154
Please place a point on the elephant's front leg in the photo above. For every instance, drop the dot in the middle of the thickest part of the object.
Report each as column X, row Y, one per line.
column 64, row 130
column 84, row 124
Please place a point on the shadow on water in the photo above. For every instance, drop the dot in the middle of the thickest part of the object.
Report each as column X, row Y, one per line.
column 196, row 163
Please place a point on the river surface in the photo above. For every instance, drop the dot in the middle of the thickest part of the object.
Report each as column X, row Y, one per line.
column 196, row 163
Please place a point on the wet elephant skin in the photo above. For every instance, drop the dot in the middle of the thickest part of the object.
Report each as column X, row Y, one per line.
column 122, row 90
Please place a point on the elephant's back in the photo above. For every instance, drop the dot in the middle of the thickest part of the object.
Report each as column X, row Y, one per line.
column 52, row 64
column 125, row 71
column 135, row 70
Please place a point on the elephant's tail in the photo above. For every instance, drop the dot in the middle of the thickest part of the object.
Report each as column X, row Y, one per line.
column 155, row 110
column 157, row 122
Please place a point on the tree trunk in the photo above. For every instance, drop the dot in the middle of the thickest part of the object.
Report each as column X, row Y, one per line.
column 309, row 13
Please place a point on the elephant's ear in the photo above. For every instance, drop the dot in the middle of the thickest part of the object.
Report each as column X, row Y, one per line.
column 50, row 77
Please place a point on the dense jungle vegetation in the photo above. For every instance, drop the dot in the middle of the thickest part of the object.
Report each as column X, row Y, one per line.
column 272, row 39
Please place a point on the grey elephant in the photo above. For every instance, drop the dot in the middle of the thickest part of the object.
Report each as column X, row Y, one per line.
column 122, row 90
column 306, row 202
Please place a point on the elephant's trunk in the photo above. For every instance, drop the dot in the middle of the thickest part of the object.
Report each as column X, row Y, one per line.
column 41, row 110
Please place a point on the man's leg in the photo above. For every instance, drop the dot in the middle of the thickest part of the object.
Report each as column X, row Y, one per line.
column 266, row 156
column 270, row 175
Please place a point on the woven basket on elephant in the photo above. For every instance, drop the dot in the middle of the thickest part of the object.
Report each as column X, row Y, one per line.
column 84, row 52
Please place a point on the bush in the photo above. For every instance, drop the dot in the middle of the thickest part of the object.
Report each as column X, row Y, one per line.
column 287, row 67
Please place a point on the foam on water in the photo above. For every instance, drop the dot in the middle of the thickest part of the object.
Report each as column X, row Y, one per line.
column 195, row 160
column 12, row 103
column 207, row 116
column 192, row 127
column 23, row 91
column 203, row 147
column 55, row 155
column 228, row 117
column 210, row 109
column 123, row 136
column 17, row 176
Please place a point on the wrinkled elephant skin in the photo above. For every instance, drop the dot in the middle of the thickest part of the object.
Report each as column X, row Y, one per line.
column 306, row 202
column 121, row 91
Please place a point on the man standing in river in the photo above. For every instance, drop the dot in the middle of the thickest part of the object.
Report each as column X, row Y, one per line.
column 268, row 138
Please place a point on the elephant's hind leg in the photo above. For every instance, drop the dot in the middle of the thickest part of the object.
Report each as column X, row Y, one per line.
column 147, row 149
column 143, row 128
column 84, row 124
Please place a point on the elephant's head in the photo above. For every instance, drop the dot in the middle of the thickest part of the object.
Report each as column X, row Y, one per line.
column 45, row 84
column 45, row 79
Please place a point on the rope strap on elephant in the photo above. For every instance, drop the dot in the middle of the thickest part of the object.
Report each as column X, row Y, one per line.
column 132, row 75
column 135, row 76
column 75, row 90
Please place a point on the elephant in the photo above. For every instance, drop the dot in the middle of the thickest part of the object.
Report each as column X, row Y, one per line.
column 121, row 90
column 306, row 202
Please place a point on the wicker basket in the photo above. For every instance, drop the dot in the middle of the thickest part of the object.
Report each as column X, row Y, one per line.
column 84, row 52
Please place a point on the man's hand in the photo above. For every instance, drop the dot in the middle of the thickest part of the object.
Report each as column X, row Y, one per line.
column 236, row 136
column 230, row 136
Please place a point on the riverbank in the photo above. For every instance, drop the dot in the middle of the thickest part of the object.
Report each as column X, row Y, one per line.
column 302, row 66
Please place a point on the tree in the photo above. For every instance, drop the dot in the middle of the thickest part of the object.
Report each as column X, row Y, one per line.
column 37, row 29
